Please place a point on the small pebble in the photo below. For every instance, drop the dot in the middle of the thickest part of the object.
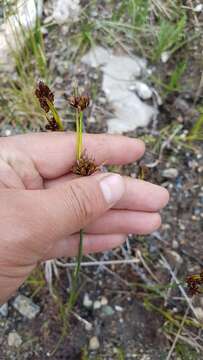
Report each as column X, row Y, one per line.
column 14, row 339
column 4, row 310
column 88, row 326
column 175, row 258
column 199, row 313
column 107, row 310
column 104, row 301
column 102, row 100
column 87, row 302
column 175, row 244
column 143, row 90
column 94, row 343
column 171, row 173
column 165, row 56
column 97, row 305
column 118, row 308
column 7, row 132
column 91, row 120
column 26, row 307
column 198, row 8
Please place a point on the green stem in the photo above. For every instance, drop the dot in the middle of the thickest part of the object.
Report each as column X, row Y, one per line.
column 55, row 115
column 79, row 257
column 74, row 291
column 80, row 133
column 77, row 135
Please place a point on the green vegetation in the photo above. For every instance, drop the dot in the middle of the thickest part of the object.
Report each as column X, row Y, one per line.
column 18, row 105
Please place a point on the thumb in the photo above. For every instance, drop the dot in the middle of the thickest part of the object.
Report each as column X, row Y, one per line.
column 81, row 201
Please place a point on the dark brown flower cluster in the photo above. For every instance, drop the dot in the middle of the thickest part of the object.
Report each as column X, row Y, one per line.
column 85, row 166
column 79, row 102
column 194, row 282
column 52, row 124
column 43, row 93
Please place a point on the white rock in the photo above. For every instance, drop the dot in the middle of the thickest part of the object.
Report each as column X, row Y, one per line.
column 119, row 75
column 97, row 305
column 171, row 173
column 87, row 302
column 143, row 90
column 107, row 310
column 14, row 339
column 104, row 301
column 26, row 307
column 11, row 29
column 124, row 69
column 65, row 10
column 175, row 244
column 4, row 310
column 88, row 326
column 118, row 308
column 198, row 8
column 94, row 343
column 175, row 257
column 8, row 132
column 91, row 120
column 97, row 56
column 199, row 313
column 165, row 56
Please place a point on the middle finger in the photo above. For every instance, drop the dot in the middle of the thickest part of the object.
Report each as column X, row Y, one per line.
column 139, row 195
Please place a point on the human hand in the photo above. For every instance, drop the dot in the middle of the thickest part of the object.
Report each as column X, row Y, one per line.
column 43, row 207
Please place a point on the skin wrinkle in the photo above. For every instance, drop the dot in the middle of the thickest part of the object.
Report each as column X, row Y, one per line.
column 8, row 176
column 23, row 166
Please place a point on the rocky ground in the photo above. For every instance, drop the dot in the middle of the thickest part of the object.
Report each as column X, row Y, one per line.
column 134, row 300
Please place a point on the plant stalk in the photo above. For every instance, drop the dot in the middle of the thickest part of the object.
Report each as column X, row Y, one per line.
column 55, row 115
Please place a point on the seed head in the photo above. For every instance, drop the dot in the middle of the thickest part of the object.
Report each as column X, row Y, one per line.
column 52, row 125
column 194, row 282
column 85, row 166
column 79, row 102
column 43, row 93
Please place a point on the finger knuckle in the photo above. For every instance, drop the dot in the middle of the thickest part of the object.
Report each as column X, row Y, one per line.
column 81, row 202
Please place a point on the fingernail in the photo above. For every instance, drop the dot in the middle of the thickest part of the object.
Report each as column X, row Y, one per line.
column 112, row 187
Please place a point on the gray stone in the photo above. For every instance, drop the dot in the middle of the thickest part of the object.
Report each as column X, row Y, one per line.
column 104, row 301
column 14, row 339
column 199, row 313
column 174, row 257
column 107, row 310
column 87, row 302
column 4, row 310
column 97, row 56
column 165, row 56
column 91, row 120
column 118, row 308
column 26, row 307
column 97, row 305
column 171, row 173
column 181, row 105
column 66, row 10
column 198, row 8
column 119, row 76
column 94, row 343
column 143, row 90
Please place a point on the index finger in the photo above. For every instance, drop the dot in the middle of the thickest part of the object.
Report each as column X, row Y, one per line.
column 54, row 153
